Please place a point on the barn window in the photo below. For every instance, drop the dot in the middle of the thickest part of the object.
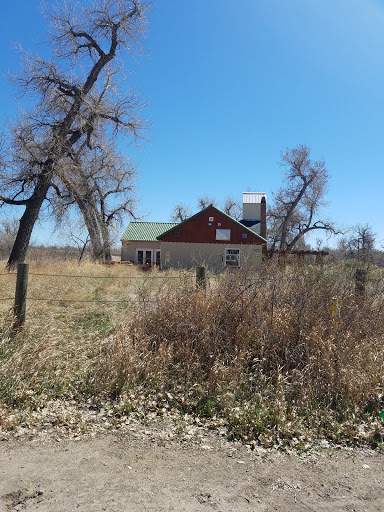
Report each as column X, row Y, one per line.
column 223, row 234
column 177, row 233
column 244, row 235
column 232, row 257
column 210, row 219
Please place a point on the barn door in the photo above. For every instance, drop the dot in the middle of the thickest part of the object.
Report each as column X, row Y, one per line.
column 144, row 257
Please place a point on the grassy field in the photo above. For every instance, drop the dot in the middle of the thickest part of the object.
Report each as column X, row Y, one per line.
column 282, row 357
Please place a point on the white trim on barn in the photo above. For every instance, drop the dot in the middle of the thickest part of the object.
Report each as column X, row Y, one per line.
column 146, row 257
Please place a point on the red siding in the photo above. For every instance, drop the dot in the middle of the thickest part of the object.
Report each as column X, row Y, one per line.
column 198, row 230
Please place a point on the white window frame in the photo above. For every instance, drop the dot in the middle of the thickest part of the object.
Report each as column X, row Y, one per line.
column 155, row 251
column 228, row 257
column 153, row 256
column 221, row 236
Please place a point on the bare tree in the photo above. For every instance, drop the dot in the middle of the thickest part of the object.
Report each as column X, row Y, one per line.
column 78, row 101
column 233, row 208
column 8, row 232
column 205, row 201
column 296, row 205
column 101, row 184
column 360, row 245
column 180, row 213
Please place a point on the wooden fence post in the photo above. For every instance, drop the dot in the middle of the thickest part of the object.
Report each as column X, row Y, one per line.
column 20, row 295
column 200, row 278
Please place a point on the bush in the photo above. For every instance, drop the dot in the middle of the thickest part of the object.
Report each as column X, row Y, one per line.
column 283, row 351
column 281, row 355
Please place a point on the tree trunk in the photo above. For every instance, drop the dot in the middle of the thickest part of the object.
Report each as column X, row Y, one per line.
column 97, row 249
column 87, row 206
column 27, row 222
column 91, row 223
column 106, row 241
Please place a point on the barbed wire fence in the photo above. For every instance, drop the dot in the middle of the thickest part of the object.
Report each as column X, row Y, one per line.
column 22, row 275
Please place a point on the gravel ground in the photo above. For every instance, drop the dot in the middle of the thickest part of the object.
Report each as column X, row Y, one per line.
column 173, row 464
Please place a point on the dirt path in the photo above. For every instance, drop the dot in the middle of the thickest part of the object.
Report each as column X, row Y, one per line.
column 119, row 473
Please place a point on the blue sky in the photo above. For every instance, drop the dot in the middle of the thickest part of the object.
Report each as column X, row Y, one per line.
column 228, row 85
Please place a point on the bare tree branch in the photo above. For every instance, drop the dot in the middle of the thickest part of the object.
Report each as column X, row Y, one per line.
column 297, row 203
column 180, row 213
column 78, row 104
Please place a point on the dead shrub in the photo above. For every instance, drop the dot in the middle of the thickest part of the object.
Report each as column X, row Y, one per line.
column 279, row 354
column 298, row 342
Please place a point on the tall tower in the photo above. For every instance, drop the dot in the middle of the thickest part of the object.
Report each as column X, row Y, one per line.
column 254, row 212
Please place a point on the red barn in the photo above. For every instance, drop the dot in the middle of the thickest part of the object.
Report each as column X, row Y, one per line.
column 210, row 238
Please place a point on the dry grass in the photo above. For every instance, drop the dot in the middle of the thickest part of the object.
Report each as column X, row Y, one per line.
column 60, row 342
column 266, row 352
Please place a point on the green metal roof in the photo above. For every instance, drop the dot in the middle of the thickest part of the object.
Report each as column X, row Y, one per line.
column 147, row 231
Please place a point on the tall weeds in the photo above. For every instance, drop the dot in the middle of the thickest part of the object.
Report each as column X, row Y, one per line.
column 284, row 350
column 278, row 355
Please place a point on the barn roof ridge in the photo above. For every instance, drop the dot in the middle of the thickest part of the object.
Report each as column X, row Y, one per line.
column 217, row 209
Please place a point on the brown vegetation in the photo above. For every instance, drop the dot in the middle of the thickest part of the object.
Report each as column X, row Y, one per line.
column 282, row 356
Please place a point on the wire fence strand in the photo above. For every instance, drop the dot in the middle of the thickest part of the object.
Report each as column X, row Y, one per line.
column 76, row 276
column 97, row 301
column 111, row 277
